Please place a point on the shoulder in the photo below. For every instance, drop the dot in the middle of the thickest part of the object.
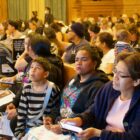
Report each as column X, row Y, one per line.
column 55, row 89
column 107, row 91
column 27, row 87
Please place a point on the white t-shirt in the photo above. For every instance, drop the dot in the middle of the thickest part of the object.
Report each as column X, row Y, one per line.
column 108, row 58
column 116, row 115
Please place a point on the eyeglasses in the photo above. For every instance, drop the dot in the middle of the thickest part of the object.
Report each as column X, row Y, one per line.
column 120, row 74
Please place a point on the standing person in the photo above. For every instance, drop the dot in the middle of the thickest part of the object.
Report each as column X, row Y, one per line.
column 48, row 16
column 81, row 90
column 115, row 113
column 33, row 98
column 34, row 16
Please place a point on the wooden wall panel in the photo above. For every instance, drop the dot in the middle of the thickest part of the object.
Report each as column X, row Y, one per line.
column 90, row 8
column 3, row 10
column 131, row 6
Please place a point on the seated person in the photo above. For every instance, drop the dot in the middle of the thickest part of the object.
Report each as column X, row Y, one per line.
column 80, row 92
column 76, row 36
column 105, row 42
column 123, row 42
column 115, row 113
column 33, row 97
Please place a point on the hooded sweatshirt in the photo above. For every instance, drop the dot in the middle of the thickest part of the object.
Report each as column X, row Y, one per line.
column 79, row 96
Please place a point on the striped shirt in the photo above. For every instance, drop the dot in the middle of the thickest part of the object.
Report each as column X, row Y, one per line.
column 31, row 104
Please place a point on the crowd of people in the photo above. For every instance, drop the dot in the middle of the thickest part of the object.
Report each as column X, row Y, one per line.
column 103, row 96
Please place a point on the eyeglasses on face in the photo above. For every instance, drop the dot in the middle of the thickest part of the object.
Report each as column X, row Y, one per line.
column 120, row 74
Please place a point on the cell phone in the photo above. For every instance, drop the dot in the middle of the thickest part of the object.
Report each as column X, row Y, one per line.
column 69, row 127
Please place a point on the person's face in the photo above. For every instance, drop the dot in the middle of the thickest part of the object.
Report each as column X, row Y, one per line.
column 98, row 43
column 32, row 26
column 47, row 11
column 37, row 73
column 10, row 28
column 70, row 35
column 133, row 37
column 92, row 34
column 122, row 80
column 83, row 63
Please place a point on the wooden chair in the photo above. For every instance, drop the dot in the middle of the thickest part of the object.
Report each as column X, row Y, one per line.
column 68, row 72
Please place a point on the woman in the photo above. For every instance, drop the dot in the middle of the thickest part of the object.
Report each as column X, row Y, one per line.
column 105, row 42
column 80, row 92
column 37, row 45
column 115, row 112
column 93, row 31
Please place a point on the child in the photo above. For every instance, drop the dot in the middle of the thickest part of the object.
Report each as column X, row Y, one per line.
column 33, row 98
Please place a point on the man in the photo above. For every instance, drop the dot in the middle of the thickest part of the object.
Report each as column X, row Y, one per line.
column 76, row 37
column 48, row 16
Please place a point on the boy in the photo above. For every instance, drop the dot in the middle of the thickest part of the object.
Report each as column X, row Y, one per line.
column 33, row 98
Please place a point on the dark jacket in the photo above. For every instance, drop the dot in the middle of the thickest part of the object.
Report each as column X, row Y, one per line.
column 87, row 89
column 48, row 19
column 96, row 115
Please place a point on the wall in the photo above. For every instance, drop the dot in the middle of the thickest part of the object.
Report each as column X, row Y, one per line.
column 70, row 9
column 3, row 10
column 37, row 5
column 17, row 9
column 90, row 8
column 131, row 6
column 58, row 8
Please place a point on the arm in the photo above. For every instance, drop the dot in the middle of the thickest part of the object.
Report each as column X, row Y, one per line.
column 97, row 115
column 11, row 111
column 21, row 63
column 54, row 106
column 62, row 46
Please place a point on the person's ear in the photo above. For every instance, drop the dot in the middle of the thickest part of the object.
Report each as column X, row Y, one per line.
column 46, row 74
column 136, row 82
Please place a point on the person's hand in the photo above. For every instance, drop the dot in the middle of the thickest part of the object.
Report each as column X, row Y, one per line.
column 47, row 120
column 73, row 121
column 89, row 133
column 56, row 129
column 11, row 113
column 10, row 106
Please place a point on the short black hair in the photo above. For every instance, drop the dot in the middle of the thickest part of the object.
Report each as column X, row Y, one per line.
column 94, row 28
column 43, row 62
column 40, row 45
column 95, row 53
column 107, row 38
column 13, row 23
